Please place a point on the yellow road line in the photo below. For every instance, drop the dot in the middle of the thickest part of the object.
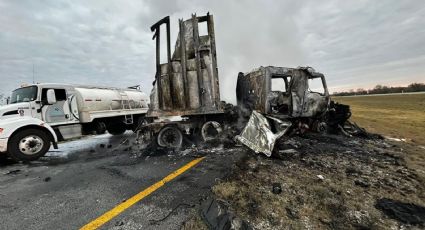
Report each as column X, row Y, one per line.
column 107, row 216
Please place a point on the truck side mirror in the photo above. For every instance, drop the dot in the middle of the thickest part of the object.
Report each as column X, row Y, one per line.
column 51, row 96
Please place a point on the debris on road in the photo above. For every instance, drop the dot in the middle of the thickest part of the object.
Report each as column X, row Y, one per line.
column 404, row 212
column 276, row 188
column 13, row 172
column 156, row 221
column 258, row 135
column 218, row 217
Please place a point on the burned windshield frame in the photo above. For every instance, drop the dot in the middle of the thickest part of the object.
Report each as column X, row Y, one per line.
column 285, row 78
column 25, row 94
column 322, row 85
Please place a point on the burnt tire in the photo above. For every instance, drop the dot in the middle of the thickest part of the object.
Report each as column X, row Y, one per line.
column 117, row 129
column 170, row 137
column 211, row 130
column 29, row 145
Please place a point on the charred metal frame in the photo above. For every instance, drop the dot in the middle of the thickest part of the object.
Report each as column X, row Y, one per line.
column 254, row 88
column 208, row 92
column 156, row 28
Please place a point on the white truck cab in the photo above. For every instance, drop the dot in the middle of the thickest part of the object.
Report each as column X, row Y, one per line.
column 40, row 115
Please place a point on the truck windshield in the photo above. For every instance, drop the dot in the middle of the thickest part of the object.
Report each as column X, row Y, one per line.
column 24, row 94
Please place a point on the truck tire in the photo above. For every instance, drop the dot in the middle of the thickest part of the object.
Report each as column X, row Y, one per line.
column 116, row 128
column 29, row 145
column 170, row 137
column 100, row 127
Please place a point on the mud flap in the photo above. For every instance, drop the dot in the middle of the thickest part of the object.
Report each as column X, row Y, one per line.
column 258, row 135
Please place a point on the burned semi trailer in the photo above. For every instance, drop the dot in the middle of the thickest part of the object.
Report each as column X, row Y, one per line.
column 282, row 100
column 185, row 99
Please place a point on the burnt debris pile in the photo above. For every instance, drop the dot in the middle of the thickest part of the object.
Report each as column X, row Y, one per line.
column 327, row 181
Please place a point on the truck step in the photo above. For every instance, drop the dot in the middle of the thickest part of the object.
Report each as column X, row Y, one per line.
column 128, row 119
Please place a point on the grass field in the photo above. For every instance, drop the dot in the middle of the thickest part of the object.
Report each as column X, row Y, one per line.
column 399, row 116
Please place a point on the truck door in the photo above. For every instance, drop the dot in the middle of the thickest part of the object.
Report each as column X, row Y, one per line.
column 316, row 98
column 59, row 112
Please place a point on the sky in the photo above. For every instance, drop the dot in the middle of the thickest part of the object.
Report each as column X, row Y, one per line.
column 356, row 44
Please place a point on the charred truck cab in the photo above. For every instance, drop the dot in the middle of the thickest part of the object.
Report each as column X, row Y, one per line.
column 282, row 100
column 185, row 99
column 284, row 92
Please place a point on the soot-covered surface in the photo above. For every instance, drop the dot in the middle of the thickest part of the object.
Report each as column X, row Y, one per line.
column 325, row 181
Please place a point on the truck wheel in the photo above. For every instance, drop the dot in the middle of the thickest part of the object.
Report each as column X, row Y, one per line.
column 28, row 145
column 100, row 127
column 117, row 128
column 170, row 137
column 211, row 130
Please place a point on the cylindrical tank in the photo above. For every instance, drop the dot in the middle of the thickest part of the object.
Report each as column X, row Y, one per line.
column 98, row 99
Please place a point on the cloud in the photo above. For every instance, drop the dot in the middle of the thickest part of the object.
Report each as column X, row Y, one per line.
column 355, row 43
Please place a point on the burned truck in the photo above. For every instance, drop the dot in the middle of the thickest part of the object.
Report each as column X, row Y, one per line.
column 185, row 99
column 283, row 92
column 281, row 100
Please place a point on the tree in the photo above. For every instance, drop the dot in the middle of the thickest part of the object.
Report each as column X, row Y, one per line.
column 381, row 89
column 378, row 87
column 416, row 87
column 361, row 91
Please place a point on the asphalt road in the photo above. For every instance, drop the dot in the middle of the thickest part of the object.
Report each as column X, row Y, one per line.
column 85, row 178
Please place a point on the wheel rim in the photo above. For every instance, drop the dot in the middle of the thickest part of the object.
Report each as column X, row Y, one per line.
column 211, row 130
column 170, row 137
column 31, row 145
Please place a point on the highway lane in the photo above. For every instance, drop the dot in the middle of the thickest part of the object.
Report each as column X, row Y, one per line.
column 76, row 184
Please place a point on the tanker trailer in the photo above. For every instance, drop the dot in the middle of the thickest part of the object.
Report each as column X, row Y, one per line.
column 40, row 115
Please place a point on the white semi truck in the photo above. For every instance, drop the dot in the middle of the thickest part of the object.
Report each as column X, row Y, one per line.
column 39, row 115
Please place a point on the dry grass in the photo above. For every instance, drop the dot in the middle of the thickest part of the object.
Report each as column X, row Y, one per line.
column 194, row 223
column 226, row 190
column 400, row 116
